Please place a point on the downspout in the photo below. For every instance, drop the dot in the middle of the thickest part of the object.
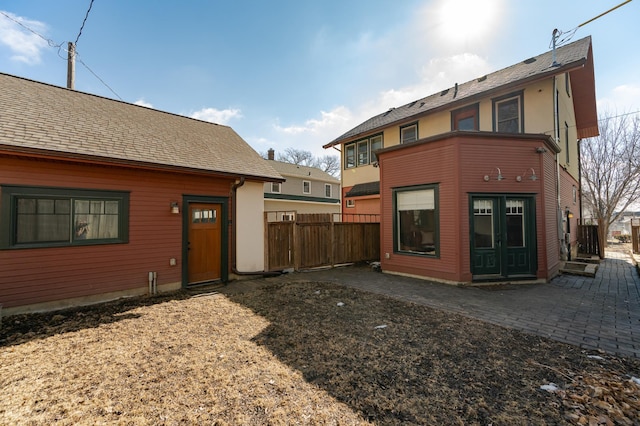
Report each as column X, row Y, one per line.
column 556, row 135
column 234, row 189
column 580, row 181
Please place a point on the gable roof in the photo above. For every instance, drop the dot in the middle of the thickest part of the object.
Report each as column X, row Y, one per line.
column 306, row 172
column 43, row 119
column 573, row 56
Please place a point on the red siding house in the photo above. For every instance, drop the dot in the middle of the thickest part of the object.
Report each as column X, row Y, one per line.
column 479, row 182
column 101, row 199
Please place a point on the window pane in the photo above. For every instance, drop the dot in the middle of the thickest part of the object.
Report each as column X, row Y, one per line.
column 416, row 219
column 376, row 143
column 508, row 116
column 483, row 224
column 515, row 223
column 363, row 153
column 468, row 123
column 350, row 156
column 327, row 190
column 101, row 222
column 409, row 134
column 42, row 220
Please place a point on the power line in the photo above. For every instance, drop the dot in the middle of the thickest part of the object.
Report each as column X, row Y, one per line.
column 50, row 42
column 85, row 20
column 569, row 34
column 101, row 81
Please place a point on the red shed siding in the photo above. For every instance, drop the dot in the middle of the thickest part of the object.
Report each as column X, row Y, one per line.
column 458, row 165
column 30, row 276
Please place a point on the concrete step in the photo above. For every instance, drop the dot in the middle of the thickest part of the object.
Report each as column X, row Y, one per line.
column 579, row 268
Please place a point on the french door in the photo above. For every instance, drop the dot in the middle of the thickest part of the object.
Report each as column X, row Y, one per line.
column 503, row 241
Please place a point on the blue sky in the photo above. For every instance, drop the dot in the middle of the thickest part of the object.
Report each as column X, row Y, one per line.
column 299, row 73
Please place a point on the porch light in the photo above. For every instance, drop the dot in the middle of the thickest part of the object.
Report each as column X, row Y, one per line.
column 532, row 175
column 498, row 176
column 568, row 213
column 174, row 208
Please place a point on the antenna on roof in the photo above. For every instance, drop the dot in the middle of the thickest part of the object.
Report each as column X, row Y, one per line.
column 554, row 37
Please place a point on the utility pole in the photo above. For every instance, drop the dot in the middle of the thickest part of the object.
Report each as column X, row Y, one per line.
column 71, row 67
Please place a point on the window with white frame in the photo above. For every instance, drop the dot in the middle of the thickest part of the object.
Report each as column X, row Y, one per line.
column 416, row 217
column 351, row 203
column 363, row 152
column 306, row 187
column 275, row 187
column 409, row 133
column 507, row 112
column 375, row 144
column 360, row 153
column 47, row 217
column 350, row 156
column 327, row 190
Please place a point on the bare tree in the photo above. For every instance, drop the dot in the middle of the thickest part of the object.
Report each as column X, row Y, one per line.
column 299, row 157
column 611, row 168
column 328, row 163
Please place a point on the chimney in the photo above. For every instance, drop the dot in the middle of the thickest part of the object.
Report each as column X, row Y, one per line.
column 270, row 154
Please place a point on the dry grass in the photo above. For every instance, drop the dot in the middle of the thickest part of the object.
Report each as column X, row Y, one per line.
column 289, row 354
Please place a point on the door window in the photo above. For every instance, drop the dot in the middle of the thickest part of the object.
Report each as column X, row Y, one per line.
column 483, row 223
column 515, row 223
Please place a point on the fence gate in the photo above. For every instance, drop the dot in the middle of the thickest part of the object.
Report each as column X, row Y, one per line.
column 635, row 235
column 588, row 240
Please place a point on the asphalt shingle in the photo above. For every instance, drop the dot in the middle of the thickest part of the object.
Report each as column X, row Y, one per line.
column 38, row 116
column 567, row 57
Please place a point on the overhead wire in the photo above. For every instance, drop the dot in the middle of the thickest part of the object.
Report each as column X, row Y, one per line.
column 60, row 47
column 83, row 22
column 569, row 34
column 50, row 42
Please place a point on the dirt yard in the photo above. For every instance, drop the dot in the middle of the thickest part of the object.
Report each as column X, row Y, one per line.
column 300, row 353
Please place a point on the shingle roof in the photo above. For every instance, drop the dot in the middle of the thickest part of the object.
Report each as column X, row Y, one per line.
column 360, row 189
column 568, row 57
column 38, row 116
column 288, row 169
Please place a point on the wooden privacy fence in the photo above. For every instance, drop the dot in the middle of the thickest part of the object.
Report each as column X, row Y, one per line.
column 303, row 241
column 589, row 241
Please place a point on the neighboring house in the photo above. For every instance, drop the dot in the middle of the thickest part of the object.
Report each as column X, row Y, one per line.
column 305, row 190
column 101, row 199
column 479, row 181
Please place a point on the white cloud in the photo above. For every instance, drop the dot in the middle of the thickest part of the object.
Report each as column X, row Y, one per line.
column 143, row 103
column 623, row 98
column 217, row 116
column 337, row 117
column 25, row 45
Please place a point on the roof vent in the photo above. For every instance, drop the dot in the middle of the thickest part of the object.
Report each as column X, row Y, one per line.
column 444, row 92
column 530, row 61
column 421, row 104
column 481, row 79
column 387, row 113
column 412, row 104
